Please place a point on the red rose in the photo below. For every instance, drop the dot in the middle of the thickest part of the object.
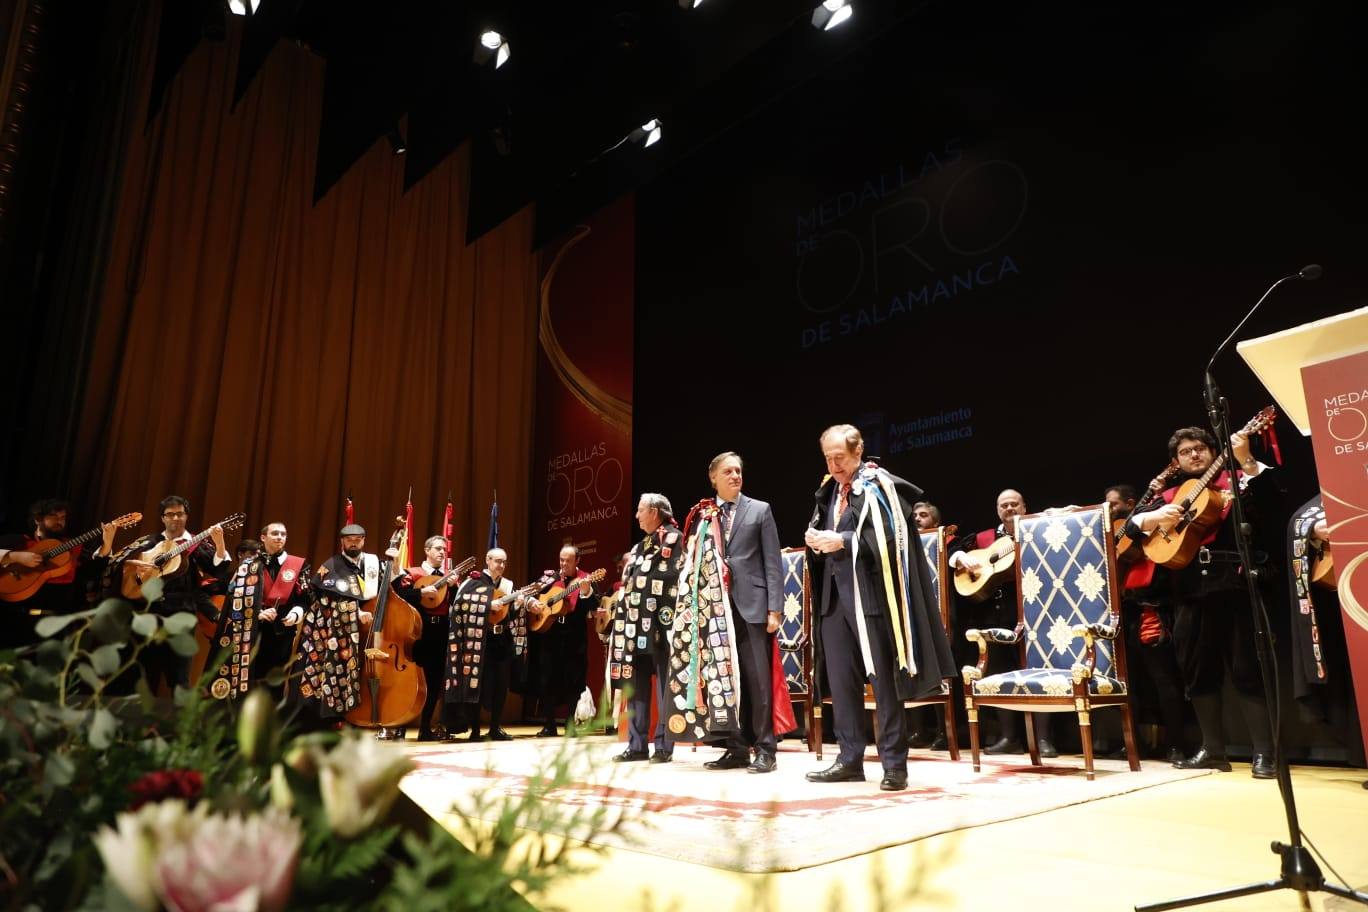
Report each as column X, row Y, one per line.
column 163, row 784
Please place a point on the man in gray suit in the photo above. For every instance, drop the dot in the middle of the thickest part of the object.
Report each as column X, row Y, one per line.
column 751, row 550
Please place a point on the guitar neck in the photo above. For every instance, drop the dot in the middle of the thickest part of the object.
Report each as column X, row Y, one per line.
column 75, row 542
column 1212, row 471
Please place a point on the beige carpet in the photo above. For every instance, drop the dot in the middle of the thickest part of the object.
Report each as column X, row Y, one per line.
column 775, row 822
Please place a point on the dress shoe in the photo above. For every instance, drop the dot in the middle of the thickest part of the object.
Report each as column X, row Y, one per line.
column 1004, row 746
column 447, row 737
column 475, row 736
column 1047, row 748
column 730, row 759
column 893, row 781
column 1174, row 755
column 941, row 743
column 838, row 772
column 498, row 734
column 548, row 731
column 1262, row 767
column 631, row 756
column 1203, row 760
column 763, row 763
column 427, row 736
column 920, row 739
column 662, row 757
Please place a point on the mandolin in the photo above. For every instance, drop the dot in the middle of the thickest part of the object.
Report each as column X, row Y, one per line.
column 440, row 583
column 1156, row 487
column 19, row 583
column 555, row 598
column 1176, row 546
column 165, row 557
column 999, row 562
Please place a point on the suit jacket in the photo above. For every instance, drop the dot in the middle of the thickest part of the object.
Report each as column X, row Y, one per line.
column 756, row 561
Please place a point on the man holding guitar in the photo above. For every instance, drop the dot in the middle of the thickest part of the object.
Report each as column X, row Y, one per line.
column 1213, row 630
column 429, row 588
column 42, row 582
column 559, row 655
column 182, row 587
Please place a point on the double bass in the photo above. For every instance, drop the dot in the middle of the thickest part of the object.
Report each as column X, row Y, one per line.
column 393, row 688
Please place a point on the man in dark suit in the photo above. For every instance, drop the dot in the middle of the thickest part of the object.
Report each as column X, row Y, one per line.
column 867, row 625
column 751, row 550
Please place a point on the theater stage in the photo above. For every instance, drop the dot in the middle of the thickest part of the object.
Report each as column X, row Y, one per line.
column 1011, row 837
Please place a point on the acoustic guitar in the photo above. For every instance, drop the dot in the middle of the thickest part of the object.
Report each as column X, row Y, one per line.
column 603, row 619
column 999, row 562
column 498, row 609
column 440, row 583
column 1156, row 487
column 20, row 583
column 1177, row 545
column 165, row 557
column 552, row 603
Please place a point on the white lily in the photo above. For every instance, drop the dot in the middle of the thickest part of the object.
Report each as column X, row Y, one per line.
column 359, row 780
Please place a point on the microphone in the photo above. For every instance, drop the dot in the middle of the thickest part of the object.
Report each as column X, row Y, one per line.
column 1310, row 273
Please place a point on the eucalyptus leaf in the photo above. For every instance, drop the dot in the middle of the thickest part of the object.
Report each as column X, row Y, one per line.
column 102, row 729
column 88, row 675
column 54, row 624
column 58, row 771
column 152, row 589
column 144, row 623
column 180, row 622
column 110, row 623
column 105, row 660
column 184, row 644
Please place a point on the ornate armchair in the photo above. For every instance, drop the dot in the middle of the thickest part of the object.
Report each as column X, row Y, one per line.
column 1068, row 632
column 933, row 546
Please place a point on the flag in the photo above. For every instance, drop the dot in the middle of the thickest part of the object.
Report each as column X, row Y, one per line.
column 348, row 512
column 405, row 540
column 494, row 521
column 446, row 531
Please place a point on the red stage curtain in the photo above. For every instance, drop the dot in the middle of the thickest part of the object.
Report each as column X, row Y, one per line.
column 256, row 352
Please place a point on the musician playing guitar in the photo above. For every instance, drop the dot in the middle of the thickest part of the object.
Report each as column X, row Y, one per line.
column 1212, row 629
column 431, row 648
column 60, row 594
column 182, row 589
column 558, row 658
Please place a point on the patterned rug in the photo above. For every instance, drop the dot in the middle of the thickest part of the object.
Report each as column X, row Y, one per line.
column 775, row 822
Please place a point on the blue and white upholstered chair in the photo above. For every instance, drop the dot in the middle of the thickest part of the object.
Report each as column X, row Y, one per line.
column 1068, row 631
column 795, row 641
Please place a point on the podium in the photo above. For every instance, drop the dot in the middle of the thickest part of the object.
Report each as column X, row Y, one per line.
column 1318, row 373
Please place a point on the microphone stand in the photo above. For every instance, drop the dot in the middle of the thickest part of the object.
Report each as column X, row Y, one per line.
column 1299, row 870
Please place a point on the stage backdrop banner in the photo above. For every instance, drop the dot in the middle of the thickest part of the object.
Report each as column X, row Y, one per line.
column 1337, row 405
column 582, row 469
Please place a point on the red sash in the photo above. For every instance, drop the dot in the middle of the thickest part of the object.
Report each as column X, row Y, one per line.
column 1139, row 574
column 278, row 590
column 985, row 538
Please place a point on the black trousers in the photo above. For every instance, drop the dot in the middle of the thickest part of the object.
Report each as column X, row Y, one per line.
column 498, row 671
column 846, row 677
column 430, row 653
column 1214, row 634
column 639, row 703
column 754, row 651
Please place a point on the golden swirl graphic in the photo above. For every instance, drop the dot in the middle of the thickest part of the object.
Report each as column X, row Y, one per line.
column 1363, row 425
column 1348, row 601
column 616, row 412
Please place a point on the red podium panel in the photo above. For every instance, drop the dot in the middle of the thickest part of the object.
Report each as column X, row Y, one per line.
column 1337, row 407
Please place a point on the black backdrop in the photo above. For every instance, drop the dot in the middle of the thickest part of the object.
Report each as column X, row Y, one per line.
column 1003, row 247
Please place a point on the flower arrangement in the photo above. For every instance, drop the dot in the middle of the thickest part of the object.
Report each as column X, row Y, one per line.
column 114, row 798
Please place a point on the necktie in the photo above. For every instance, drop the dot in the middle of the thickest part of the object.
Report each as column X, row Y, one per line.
column 843, row 501
column 727, row 508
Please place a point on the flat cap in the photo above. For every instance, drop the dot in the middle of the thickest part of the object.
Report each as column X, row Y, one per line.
column 351, row 529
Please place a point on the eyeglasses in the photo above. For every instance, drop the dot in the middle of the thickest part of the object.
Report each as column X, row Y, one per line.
column 1193, row 450
column 178, row 514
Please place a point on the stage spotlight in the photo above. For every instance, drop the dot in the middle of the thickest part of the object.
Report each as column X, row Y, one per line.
column 690, row 4
column 492, row 46
column 241, row 7
column 648, row 134
column 396, row 140
column 831, row 14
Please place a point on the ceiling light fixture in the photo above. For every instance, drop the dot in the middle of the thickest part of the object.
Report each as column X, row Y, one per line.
column 492, row 47
column 832, row 13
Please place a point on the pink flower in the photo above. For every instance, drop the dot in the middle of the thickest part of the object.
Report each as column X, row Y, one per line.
column 231, row 864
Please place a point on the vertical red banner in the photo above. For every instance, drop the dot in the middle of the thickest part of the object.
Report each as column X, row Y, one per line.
column 1337, row 408
column 582, row 469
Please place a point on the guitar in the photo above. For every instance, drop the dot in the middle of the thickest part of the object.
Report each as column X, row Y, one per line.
column 166, row 558
column 498, row 609
column 19, row 583
column 441, row 582
column 999, row 561
column 1156, row 487
column 1177, row 545
column 540, row 623
column 603, row 619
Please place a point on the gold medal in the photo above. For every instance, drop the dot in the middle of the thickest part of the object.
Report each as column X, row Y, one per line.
column 220, row 688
